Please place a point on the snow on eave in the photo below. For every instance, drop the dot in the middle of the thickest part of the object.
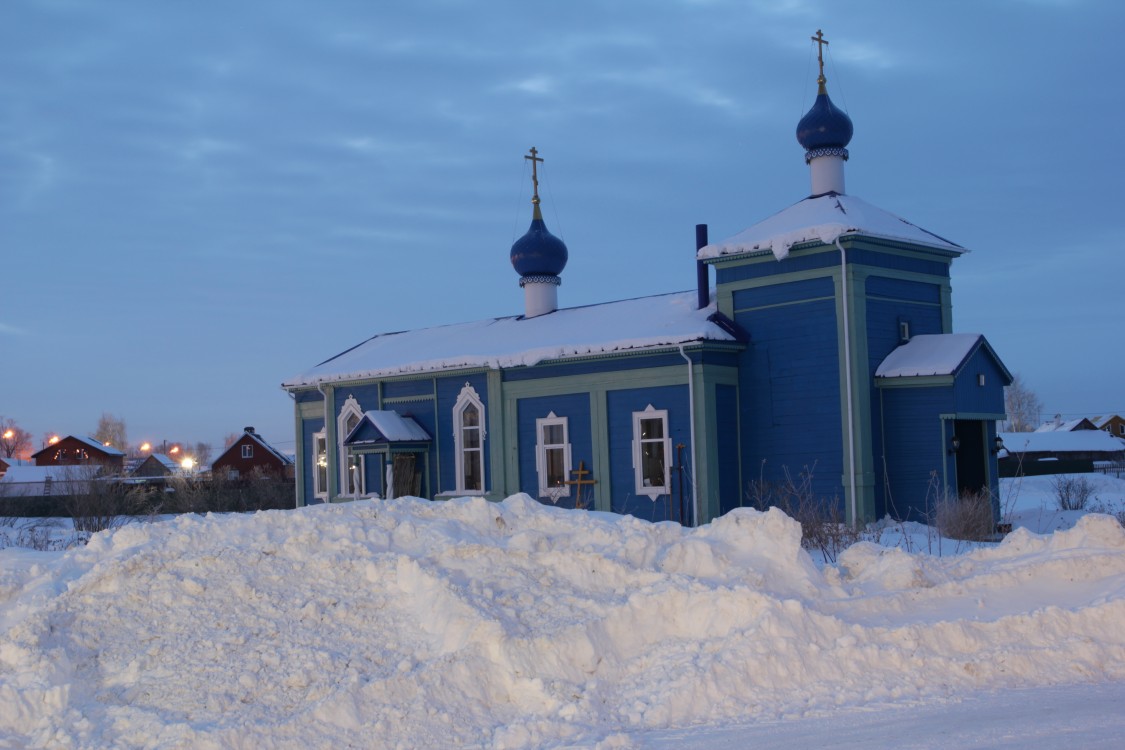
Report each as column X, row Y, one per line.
column 621, row 327
column 929, row 355
column 824, row 219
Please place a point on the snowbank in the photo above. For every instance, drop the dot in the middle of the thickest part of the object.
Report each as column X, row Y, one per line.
column 469, row 624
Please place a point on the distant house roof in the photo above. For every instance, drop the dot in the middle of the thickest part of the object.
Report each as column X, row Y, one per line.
column 934, row 354
column 1070, row 425
column 1079, row 441
column 1101, row 421
column 108, row 450
column 386, row 427
column 624, row 326
column 824, row 219
column 95, row 443
column 39, row 474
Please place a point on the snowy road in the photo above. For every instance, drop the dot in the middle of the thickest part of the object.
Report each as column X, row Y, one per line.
column 1089, row 717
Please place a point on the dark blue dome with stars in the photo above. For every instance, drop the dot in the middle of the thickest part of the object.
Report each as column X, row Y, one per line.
column 825, row 126
column 539, row 253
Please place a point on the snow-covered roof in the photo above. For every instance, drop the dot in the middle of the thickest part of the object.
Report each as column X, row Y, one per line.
column 928, row 354
column 166, row 461
column 394, row 427
column 1060, row 425
column 627, row 325
column 824, row 219
column 22, row 474
column 1101, row 421
column 1079, row 441
column 95, row 443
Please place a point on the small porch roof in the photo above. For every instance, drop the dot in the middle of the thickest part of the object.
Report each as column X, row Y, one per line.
column 386, row 426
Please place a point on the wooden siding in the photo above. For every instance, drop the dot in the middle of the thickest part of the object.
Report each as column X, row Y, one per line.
column 790, row 403
column 448, row 390
column 914, row 449
column 595, row 366
column 576, row 408
column 408, row 388
column 620, row 405
column 731, row 495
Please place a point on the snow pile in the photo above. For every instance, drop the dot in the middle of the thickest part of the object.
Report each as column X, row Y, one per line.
column 511, row 625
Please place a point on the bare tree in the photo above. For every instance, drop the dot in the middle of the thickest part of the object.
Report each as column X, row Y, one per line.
column 14, row 440
column 1022, row 405
column 202, row 453
column 111, row 431
column 231, row 438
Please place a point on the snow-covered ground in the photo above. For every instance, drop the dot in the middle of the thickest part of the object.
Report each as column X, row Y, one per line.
column 515, row 625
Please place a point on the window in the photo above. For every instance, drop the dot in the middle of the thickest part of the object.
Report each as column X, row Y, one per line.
column 552, row 456
column 247, row 451
column 468, row 438
column 320, row 464
column 903, row 331
column 651, row 448
column 351, row 466
column 1121, row 429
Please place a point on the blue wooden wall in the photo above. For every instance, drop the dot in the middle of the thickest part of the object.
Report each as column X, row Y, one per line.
column 789, row 385
column 448, row 390
column 620, row 406
column 731, row 495
column 576, row 408
column 308, row 428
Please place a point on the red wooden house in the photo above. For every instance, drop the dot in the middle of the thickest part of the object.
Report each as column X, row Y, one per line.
column 80, row 451
column 250, row 455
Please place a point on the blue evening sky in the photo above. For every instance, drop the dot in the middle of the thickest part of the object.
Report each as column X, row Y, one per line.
column 201, row 199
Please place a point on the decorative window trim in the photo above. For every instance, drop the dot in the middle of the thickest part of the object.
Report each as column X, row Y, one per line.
column 651, row 491
column 320, row 460
column 351, row 408
column 541, row 449
column 468, row 397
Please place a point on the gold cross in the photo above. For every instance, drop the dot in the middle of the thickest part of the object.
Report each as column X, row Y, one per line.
column 821, row 42
column 534, row 174
column 580, row 472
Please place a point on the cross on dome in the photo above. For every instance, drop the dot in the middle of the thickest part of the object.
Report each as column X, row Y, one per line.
column 534, row 174
column 821, row 43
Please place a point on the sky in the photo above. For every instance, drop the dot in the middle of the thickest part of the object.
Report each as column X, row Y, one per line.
column 201, row 200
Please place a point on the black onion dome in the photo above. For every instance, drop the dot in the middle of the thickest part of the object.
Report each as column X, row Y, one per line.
column 539, row 253
column 824, row 126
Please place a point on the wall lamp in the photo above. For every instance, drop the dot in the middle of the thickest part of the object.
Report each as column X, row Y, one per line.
column 998, row 444
column 954, row 444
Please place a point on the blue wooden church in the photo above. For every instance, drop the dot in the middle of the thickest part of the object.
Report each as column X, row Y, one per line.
column 825, row 351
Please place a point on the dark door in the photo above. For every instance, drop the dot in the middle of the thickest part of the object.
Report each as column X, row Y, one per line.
column 972, row 458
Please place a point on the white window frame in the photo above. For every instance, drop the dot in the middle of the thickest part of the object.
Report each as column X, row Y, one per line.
column 468, row 397
column 351, row 408
column 638, row 451
column 541, row 448
column 247, row 450
column 318, row 439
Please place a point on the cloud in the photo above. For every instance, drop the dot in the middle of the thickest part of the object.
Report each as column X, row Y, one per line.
column 11, row 330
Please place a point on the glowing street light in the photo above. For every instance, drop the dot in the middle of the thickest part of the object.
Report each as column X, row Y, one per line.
column 188, row 463
column 54, row 439
column 145, row 447
column 175, row 449
column 9, row 435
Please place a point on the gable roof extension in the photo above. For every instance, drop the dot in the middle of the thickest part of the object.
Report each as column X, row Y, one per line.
column 935, row 354
column 386, row 426
column 1078, row 441
column 629, row 325
column 824, row 218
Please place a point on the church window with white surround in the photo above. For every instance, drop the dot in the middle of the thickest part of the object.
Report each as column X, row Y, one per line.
column 652, row 448
column 552, row 456
column 468, row 439
column 351, row 466
column 320, row 464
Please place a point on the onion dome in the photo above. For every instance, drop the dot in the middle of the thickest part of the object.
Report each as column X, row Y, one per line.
column 825, row 130
column 539, row 253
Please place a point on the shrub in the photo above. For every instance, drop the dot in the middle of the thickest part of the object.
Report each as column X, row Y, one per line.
column 824, row 526
column 1072, row 492
column 967, row 517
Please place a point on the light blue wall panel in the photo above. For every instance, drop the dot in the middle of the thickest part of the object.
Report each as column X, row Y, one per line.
column 576, row 408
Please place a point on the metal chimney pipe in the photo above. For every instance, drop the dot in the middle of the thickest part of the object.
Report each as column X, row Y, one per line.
column 702, row 286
